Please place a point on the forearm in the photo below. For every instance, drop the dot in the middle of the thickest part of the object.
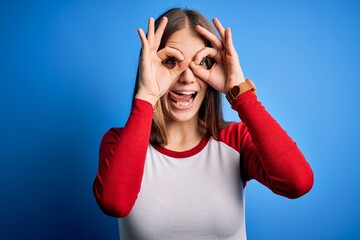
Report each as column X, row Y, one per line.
column 121, row 162
column 276, row 162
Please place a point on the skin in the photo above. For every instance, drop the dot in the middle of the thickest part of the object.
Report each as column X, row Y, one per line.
column 185, row 71
column 182, row 119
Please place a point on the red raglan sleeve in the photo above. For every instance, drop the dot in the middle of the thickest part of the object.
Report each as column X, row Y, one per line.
column 267, row 152
column 121, row 162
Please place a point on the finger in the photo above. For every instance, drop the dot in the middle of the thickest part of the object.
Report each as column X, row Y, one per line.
column 229, row 45
column 181, row 67
column 150, row 35
column 219, row 28
column 205, row 52
column 178, row 69
column 143, row 38
column 215, row 41
column 160, row 31
column 201, row 72
column 167, row 52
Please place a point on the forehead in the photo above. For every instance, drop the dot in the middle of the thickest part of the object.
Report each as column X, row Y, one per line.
column 186, row 41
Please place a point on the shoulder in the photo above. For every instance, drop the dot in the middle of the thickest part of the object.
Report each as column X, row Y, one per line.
column 113, row 132
column 111, row 136
column 233, row 134
column 109, row 140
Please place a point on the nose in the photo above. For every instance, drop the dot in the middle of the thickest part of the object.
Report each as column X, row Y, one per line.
column 187, row 77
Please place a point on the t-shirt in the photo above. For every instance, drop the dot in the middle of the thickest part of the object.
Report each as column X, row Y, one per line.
column 196, row 194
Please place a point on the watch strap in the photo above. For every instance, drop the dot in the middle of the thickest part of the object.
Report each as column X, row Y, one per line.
column 237, row 90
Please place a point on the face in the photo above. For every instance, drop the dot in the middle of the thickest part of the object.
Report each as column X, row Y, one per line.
column 184, row 98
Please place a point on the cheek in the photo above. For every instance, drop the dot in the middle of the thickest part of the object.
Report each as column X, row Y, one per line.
column 203, row 86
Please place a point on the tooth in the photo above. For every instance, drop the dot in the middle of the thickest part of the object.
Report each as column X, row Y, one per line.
column 186, row 93
column 184, row 103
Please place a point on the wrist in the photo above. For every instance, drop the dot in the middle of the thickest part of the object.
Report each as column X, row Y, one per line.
column 234, row 92
column 234, row 79
column 233, row 84
column 147, row 97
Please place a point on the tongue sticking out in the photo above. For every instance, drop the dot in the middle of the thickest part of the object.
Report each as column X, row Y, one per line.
column 178, row 97
column 182, row 98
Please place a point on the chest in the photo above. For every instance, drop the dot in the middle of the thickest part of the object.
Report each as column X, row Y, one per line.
column 201, row 195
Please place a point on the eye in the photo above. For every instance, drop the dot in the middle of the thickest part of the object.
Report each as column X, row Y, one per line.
column 170, row 62
column 207, row 63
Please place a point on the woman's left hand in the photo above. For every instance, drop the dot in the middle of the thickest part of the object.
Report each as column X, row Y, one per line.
column 226, row 71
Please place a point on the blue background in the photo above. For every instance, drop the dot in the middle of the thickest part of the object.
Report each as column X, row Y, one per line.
column 67, row 71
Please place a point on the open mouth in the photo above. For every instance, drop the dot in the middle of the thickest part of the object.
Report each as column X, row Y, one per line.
column 182, row 99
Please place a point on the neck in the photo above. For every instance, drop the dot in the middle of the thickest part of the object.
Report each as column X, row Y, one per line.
column 183, row 136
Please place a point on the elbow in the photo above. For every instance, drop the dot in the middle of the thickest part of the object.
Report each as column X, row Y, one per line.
column 301, row 185
column 114, row 210
column 110, row 204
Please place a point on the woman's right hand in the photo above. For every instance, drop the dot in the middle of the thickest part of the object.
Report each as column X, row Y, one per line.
column 158, row 70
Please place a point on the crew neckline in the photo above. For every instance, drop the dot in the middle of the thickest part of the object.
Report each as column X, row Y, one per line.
column 183, row 154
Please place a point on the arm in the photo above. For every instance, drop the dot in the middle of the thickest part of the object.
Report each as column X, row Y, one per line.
column 268, row 154
column 123, row 151
column 121, row 162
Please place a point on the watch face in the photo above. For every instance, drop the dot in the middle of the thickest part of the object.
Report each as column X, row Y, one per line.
column 235, row 91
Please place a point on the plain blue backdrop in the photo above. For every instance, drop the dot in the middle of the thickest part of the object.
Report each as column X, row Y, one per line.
column 67, row 71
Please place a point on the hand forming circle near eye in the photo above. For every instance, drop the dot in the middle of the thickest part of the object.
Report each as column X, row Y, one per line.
column 226, row 71
column 155, row 78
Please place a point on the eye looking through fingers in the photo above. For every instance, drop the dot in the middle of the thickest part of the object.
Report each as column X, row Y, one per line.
column 207, row 63
column 170, row 62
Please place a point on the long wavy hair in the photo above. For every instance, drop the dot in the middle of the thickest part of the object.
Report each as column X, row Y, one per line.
column 210, row 112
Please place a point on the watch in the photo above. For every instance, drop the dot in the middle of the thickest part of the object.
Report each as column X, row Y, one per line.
column 237, row 90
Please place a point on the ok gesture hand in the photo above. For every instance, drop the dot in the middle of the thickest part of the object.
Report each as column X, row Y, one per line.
column 155, row 78
column 226, row 72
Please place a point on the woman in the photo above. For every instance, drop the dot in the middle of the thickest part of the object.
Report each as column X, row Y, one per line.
column 176, row 170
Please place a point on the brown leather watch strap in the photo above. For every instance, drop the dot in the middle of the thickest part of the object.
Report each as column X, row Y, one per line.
column 237, row 90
